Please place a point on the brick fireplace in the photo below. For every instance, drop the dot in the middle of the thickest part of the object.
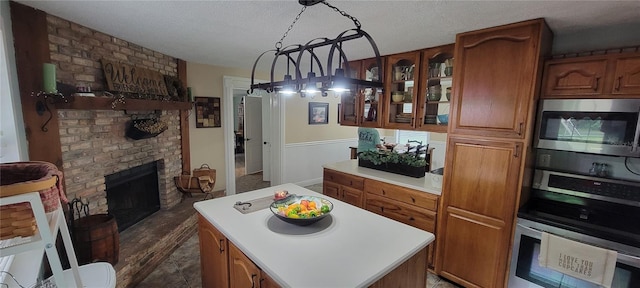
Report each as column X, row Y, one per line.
column 94, row 145
column 93, row 142
column 87, row 141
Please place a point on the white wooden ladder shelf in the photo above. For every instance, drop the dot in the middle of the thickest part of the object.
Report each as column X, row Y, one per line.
column 27, row 253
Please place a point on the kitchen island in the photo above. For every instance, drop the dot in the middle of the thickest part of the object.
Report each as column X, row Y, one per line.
column 349, row 248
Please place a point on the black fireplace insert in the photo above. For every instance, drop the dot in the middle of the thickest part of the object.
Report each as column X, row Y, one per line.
column 133, row 194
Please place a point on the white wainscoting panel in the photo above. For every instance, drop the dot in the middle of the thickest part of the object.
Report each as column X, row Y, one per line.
column 437, row 159
column 303, row 161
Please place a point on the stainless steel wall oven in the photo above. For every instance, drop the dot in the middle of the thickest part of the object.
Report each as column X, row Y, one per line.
column 595, row 211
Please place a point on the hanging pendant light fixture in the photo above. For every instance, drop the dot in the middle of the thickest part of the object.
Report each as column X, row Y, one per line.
column 319, row 82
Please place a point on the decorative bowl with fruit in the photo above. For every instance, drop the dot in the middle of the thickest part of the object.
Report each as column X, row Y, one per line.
column 301, row 210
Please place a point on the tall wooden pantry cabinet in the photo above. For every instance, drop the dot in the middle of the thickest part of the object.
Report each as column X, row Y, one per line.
column 489, row 153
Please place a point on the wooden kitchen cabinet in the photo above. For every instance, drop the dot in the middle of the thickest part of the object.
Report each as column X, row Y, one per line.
column 344, row 187
column 214, row 265
column 411, row 207
column 242, row 272
column 224, row 265
column 488, row 149
column 401, row 72
column 600, row 76
column 477, row 215
column 627, row 76
column 496, row 86
column 436, row 82
column 574, row 78
column 361, row 106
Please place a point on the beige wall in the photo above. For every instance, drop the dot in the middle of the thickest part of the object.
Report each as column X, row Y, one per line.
column 297, row 128
column 207, row 144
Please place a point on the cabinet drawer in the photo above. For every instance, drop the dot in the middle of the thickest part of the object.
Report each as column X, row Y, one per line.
column 402, row 194
column 352, row 196
column 407, row 214
column 344, row 179
column 331, row 189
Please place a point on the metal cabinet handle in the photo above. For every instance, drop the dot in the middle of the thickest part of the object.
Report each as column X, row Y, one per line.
column 520, row 127
column 618, row 82
column 517, row 152
column 221, row 246
column 595, row 88
column 253, row 282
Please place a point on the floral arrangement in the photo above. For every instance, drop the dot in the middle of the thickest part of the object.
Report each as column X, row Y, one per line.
column 145, row 128
column 152, row 126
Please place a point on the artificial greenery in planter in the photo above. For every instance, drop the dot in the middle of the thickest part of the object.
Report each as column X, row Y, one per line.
column 145, row 128
column 408, row 164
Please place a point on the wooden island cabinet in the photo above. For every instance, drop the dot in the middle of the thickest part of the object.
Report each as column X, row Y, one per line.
column 243, row 273
column 222, row 264
column 239, row 249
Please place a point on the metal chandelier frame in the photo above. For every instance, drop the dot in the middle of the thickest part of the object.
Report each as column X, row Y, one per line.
column 294, row 54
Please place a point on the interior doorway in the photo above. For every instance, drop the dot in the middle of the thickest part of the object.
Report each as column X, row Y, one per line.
column 270, row 142
column 249, row 172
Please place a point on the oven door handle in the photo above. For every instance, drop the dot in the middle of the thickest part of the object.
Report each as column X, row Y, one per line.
column 629, row 260
column 623, row 258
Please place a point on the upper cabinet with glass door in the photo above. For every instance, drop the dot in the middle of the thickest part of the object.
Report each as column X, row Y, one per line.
column 400, row 95
column 435, row 88
column 371, row 97
column 361, row 105
column 349, row 100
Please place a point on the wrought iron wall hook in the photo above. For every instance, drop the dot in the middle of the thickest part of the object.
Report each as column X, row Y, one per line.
column 42, row 105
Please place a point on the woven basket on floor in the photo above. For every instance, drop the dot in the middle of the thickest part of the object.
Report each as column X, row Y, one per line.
column 24, row 177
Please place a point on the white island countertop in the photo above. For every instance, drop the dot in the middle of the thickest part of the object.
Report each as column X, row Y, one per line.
column 351, row 247
column 351, row 167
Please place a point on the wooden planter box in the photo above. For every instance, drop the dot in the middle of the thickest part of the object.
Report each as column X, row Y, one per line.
column 411, row 171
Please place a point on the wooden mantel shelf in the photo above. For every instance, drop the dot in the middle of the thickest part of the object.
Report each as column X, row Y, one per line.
column 104, row 103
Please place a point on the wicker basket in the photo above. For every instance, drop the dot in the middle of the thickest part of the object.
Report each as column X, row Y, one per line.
column 24, row 177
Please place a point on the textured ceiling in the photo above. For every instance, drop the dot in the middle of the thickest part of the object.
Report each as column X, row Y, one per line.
column 234, row 33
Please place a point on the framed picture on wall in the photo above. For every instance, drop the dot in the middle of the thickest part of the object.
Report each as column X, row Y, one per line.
column 208, row 112
column 318, row 113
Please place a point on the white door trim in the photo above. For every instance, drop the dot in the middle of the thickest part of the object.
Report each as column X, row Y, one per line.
column 231, row 83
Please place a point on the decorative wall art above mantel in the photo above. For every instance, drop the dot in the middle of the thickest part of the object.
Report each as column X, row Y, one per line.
column 208, row 112
column 129, row 79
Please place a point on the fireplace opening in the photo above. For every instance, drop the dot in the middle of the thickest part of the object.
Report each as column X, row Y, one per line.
column 133, row 194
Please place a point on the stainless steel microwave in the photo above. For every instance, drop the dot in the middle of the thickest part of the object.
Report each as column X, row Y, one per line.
column 597, row 126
